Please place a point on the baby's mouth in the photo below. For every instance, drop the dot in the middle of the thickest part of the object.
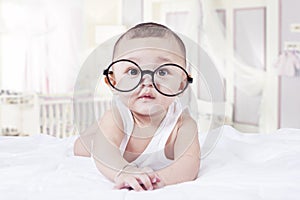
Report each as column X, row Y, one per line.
column 146, row 96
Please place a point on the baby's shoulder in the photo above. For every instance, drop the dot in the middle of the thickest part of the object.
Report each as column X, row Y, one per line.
column 111, row 125
column 186, row 120
column 111, row 117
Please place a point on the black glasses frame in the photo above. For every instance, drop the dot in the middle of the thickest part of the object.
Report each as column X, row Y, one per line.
column 106, row 73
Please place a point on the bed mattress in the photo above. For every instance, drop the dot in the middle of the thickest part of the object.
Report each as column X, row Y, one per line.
column 241, row 166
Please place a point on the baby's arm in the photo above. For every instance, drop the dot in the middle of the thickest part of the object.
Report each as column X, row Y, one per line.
column 82, row 146
column 109, row 121
column 103, row 140
column 109, row 160
column 186, row 155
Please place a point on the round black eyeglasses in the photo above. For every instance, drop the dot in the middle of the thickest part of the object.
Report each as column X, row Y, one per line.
column 168, row 79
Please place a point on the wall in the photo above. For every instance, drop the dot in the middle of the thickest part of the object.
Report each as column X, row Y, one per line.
column 289, row 96
column 259, row 31
column 99, row 12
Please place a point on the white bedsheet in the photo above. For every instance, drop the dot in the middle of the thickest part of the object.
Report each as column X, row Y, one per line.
column 242, row 166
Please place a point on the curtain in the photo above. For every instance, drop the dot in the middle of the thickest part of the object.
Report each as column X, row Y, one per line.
column 248, row 79
column 44, row 38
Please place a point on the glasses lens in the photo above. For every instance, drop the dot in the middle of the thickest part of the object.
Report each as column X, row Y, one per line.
column 170, row 79
column 126, row 75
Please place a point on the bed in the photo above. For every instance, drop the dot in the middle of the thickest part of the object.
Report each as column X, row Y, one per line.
column 241, row 166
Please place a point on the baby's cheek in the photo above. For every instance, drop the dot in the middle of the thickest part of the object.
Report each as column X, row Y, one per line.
column 128, row 98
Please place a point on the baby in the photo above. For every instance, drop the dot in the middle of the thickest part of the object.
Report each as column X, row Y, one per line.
column 147, row 140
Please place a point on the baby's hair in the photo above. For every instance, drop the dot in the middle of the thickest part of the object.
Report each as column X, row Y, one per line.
column 150, row 29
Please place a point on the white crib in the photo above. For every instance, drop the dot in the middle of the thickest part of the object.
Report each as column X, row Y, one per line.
column 49, row 114
column 57, row 115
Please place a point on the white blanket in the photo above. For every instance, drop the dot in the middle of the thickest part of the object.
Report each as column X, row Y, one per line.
column 241, row 166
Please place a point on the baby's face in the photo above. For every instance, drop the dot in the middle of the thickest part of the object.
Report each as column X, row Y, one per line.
column 148, row 54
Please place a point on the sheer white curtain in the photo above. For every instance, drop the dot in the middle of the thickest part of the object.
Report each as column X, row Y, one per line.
column 250, row 80
column 40, row 44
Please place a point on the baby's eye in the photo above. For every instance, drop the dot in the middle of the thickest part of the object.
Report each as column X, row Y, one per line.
column 133, row 72
column 163, row 72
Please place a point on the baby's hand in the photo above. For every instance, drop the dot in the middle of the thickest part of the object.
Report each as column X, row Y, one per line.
column 137, row 179
column 156, row 181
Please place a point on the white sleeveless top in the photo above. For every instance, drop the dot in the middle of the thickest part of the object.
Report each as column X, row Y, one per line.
column 154, row 154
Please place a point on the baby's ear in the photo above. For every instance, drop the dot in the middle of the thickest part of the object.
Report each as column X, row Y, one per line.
column 106, row 81
column 182, row 84
column 111, row 80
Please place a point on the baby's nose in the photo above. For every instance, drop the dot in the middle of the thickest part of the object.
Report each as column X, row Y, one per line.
column 147, row 80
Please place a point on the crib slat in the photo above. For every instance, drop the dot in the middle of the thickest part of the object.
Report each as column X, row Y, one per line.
column 77, row 115
column 91, row 113
column 44, row 124
column 71, row 126
column 51, row 119
column 84, row 114
column 57, row 120
column 65, row 119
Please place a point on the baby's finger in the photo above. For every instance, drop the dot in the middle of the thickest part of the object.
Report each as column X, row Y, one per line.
column 121, row 185
column 154, row 178
column 135, row 185
column 145, row 180
column 158, row 185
